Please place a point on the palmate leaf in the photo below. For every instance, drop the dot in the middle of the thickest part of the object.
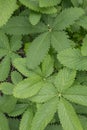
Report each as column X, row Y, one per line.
column 77, row 94
column 67, row 17
column 28, row 87
column 44, row 114
column 48, row 3
column 20, row 25
column 26, row 120
column 64, row 79
column 7, row 53
column 73, row 59
column 47, row 92
column 8, row 7
column 38, row 50
column 68, row 117
column 3, row 122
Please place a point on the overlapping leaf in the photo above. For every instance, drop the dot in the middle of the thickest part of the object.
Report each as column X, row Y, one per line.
column 73, row 59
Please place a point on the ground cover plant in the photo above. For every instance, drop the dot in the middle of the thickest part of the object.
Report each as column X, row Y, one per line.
column 43, row 65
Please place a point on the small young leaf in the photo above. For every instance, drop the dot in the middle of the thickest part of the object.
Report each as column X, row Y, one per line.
column 34, row 18
column 16, row 77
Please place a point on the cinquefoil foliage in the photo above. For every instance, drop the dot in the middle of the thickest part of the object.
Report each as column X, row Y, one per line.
column 43, row 65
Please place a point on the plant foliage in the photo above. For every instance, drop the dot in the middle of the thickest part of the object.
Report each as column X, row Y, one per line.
column 43, row 65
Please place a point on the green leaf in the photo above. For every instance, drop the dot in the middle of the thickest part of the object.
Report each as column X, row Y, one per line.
column 48, row 10
column 37, row 50
column 7, row 103
column 26, row 120
column 4, row 68
column 68, row 117
column 3, row 122
column 77, row 2
column 6, row 88
column 80, row 109
column 47, row 92
column 73, row 59
column 64, row 79
column 22, row 68
column 34, row 18
column 16, row 77
column 67, row 17
column 83, row 120
column 7, row 7
column 47, row 66
column 54, row 127
column 59, row 41
column 82, row 22
column 44, row 114
column 19, row 25
column 18, row 110
column 16, row 43
column 13, row 124
column 4, row 42
column 48, row 3
column 84, row 47
column 77, row 94
column 33, row 5
column 28, row 87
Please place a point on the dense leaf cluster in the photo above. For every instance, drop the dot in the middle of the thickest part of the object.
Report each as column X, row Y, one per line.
column 43, row 65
